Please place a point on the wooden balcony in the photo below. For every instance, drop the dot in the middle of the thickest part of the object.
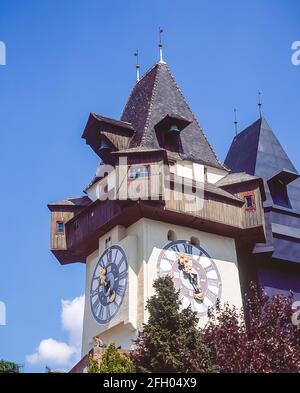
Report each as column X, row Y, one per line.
column 217, row 212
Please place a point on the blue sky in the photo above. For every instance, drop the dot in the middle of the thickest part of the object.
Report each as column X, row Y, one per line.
column 66, row 58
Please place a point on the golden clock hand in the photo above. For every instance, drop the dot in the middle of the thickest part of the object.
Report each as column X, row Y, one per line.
column 184, row 263
column 102, row 276
column 112, row 295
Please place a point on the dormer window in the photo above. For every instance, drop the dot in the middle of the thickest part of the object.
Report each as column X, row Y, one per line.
column 249, row 201
column 138, row 172
column 168, row 131
column 278, row 187
column 279, row 193
column 60, row 228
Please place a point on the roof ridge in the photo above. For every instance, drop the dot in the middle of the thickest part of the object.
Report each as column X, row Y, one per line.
column 258, row 138
column 246, row 129
column 154, row 90
column 135, row 85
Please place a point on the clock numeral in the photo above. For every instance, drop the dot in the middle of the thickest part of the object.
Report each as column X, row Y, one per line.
column 101, row 312
column 188, row 248
column 209, row 268
column 119, row 263
column 121, row 290
column 109, row 256
column 108, row 313
column 175, row 248
column 211, row 296
column 96, row 304
column 123, row 275
column 95, row 292
column 116, row 253
column 213, row 281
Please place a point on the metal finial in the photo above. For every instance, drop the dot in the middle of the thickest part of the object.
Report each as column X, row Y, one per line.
column 161, row 60
column 259, row 104
column 235, row 122
column 137, row 66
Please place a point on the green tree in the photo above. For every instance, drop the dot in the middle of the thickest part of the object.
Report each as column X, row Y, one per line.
column 170, row 341
column 9, row 367
column 113, row 361
column 94, row 366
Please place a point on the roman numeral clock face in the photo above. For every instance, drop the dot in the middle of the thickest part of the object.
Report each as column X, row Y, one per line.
column 108, row 285
column 194, row 273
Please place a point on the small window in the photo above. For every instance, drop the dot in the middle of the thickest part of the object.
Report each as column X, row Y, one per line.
column 138, row 172
column 205, row 174
column 279, row 194
column 172, row 236
column 195, row 241
column 108, row 242
column 60, row 227
column 249, row 201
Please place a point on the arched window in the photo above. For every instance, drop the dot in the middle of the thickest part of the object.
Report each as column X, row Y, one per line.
column 172, row 236
column 195, row 241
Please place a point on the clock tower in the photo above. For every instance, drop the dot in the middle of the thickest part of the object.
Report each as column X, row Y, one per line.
column 160, row 204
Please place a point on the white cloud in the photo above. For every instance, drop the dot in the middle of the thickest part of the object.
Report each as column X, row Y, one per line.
column 72, row 318
column 52, row 352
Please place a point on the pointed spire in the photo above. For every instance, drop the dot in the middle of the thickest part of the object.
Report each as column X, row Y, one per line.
column 259, row 104
column 151, row 100
column 235, row 122
column 257, row 151
column 161, row 59
column 137, row 66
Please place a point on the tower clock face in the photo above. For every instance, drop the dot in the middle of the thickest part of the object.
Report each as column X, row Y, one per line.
column 108, row 285
column 194, row 273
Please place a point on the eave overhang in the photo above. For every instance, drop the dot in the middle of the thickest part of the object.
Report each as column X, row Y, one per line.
column 284, row 177
column 84, row 230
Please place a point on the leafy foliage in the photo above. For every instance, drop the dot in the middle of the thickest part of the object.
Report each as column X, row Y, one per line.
column 113, row 361
column 170, row 341
column 269, row 344
column 94, row 366
column 9, row 367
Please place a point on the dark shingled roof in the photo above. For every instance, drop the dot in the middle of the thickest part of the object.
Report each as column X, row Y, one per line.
column 139, row 149
column 155, row 96
column 107, row 121
column 73, row 201
column 257, row 151
column 235, row 178
column 214, row 189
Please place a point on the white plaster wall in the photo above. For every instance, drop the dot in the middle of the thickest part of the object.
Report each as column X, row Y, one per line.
column 198, row 172
column 143, row 242
column 184, row 169
column 214, row 174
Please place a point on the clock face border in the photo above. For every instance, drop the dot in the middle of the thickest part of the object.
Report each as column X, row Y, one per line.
column 97, row 266
column 204, row 253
